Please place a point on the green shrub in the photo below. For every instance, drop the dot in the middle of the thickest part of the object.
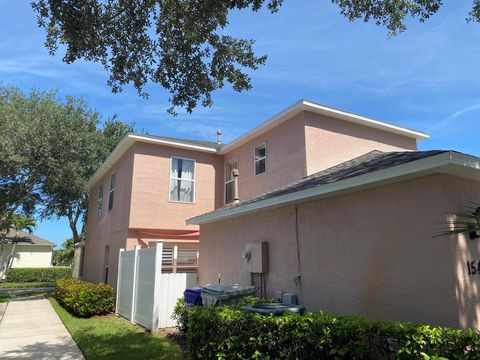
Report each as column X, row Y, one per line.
column 230, row 333
column 180, row 315
column 51, row 274
column 85, row 299
column 181, row 311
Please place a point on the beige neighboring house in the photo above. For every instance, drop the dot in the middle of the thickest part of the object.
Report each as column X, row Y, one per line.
column 345, row 205
column 29, row 251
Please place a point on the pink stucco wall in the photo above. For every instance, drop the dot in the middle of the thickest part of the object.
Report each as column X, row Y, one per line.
column 285, row 163
column 305, row 144
column 151, row 208
column 370, row 253
column 458, row 196
column 142, row 202
column 112, row 226
column 330, row 141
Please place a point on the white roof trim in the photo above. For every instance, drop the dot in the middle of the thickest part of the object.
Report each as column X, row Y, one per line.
column 128, row 141
column 298, row 107
column 305, row 105
column 446, row 163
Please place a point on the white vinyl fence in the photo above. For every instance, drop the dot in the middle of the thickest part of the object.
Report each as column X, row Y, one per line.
column 145, row 296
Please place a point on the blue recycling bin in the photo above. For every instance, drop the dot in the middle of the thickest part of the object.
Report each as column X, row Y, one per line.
column 193, row 296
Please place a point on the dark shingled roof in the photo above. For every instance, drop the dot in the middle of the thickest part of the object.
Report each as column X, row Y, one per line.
column 207, row 144
column 25, row 238
column 368, row 163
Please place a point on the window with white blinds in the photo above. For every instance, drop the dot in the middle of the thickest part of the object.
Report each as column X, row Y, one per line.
column 182, row 180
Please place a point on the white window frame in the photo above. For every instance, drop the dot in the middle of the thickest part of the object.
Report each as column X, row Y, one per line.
column 257, row 160
column 110, row 191
column 235, row 159
column 193, row 180
column 100, row 202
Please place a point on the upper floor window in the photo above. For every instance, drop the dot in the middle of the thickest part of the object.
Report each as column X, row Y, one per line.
column 100, row 201
column 182, row 180
column 229, row 167
column 111, row 195
column 260, row 159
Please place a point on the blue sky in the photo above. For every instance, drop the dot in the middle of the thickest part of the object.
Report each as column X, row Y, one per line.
column 426, row 78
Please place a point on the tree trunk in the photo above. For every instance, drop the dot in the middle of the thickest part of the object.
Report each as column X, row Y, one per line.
column 72, row 222
column 10, row 257
column 12, row 252
column 3, row 267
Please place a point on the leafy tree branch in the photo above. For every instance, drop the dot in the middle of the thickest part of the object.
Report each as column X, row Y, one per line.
column 181, row 45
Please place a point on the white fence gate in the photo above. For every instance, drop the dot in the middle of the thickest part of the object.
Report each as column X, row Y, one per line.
column 144, row 295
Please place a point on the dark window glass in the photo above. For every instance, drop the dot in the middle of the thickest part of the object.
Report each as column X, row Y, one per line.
column 260, row 159
column 112, row 192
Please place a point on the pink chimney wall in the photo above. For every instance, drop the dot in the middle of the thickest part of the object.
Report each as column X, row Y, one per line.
column 331, row 141
column 305, row 144
column 285, row 163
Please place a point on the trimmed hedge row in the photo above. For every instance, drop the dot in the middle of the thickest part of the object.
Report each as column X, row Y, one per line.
column 230, row 333
column 85, row 299
column 51, row 274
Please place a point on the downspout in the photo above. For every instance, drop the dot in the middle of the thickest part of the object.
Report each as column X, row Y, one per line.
column 297, row 279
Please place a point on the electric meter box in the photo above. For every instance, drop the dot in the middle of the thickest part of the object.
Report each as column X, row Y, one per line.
column 256, row 257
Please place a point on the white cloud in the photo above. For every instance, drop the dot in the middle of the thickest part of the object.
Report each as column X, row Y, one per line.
column 459, row 113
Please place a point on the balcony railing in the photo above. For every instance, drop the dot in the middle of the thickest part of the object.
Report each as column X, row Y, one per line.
column 180, row 258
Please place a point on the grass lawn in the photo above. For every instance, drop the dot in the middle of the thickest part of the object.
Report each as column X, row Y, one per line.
column 112, row 337
column 7, row 285
column 5, row 297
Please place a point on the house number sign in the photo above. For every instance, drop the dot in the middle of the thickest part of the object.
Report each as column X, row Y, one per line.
column 473, row 267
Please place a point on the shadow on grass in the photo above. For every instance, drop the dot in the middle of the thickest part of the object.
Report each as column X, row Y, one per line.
column 112, row 337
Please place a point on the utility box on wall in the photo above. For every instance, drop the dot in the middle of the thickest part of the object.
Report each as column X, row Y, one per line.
column 256, row 257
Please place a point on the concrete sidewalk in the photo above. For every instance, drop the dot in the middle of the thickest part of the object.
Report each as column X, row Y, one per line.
column 31, row 329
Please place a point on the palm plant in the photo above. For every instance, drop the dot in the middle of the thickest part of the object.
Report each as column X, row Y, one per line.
column 64, row 256
column 19, row 223
column 465, row 222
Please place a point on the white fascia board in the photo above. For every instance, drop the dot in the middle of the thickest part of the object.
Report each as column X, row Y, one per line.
column 304, row 105
column 119, row 150
column 175, row 144
column 441, row 163
column 264, row 127
column 127, row 142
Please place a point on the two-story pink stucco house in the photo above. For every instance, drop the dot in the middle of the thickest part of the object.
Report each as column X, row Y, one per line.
column 346, row 204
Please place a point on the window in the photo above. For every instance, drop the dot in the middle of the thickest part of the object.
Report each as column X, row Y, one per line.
column 100, row 201
column 82, row 261
column 182, row 180
column 111, row 195
column 260, row 159
column 229, row 167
